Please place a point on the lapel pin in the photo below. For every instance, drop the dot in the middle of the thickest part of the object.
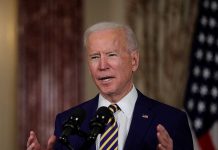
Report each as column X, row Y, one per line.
column 145, row 116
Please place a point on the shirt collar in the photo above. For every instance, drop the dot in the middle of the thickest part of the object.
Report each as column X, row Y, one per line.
column 126, row 104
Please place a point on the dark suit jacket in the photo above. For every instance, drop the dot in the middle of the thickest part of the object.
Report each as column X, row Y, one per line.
column 142, row 134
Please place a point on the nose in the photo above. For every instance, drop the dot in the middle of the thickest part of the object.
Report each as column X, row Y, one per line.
column 103, row 64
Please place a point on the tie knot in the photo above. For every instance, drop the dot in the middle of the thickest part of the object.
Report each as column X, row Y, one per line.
column 114, row 107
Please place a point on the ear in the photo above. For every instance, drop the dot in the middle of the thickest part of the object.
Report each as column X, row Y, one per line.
column 135, row 60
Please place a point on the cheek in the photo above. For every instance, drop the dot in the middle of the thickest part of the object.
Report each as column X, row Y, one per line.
column 125, row 70
column 92, row 69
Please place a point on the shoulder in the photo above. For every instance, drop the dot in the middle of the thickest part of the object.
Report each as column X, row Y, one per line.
column 158, row 107
column 173, row 119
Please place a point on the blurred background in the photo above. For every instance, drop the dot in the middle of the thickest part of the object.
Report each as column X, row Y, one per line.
column 43, row 67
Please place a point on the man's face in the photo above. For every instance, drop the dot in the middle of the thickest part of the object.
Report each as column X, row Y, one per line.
column 110, row 63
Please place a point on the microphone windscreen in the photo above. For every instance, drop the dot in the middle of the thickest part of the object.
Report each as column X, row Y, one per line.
column 72, row 125
column 102, row 117
column 78, row 115
column 104, row 111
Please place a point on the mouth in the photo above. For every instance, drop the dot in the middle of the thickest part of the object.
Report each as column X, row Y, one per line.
column 105, row 79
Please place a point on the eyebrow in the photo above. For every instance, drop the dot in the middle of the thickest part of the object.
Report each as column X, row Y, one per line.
column 107, row 52
column 96, row 53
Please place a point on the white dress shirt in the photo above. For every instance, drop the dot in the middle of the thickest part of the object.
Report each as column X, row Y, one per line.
column 123, row 117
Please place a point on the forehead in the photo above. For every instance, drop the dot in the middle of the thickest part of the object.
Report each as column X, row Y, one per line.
column 106, row 38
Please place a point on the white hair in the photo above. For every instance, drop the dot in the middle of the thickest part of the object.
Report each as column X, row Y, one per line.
column 132, row 43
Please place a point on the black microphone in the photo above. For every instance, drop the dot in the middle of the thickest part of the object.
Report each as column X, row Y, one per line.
column 72, row 125
column 97, row 126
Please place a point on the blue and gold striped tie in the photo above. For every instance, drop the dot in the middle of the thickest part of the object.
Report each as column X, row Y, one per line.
column 109, row 139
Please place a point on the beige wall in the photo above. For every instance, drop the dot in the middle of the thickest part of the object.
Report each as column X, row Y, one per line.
column 8, row 57
column 96, row 11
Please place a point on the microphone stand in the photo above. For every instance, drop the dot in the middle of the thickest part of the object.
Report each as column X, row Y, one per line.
column 86, row 145
column 65, row 142
column 90, row 139
column 69, row 146
column 88, row 142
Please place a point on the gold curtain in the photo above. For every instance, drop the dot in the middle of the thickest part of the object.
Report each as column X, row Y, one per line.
column 50, row 64
column 164, row 29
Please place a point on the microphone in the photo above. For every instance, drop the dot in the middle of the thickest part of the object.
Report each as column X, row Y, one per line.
column 72, row 125
column 97, row 125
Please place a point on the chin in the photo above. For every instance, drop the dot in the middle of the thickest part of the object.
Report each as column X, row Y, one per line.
column 107, row 91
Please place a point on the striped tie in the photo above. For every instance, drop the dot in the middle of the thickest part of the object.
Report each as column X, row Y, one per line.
column 109, row 139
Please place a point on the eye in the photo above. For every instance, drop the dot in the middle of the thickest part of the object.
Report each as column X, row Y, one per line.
column 112, row 54
column 93, row 57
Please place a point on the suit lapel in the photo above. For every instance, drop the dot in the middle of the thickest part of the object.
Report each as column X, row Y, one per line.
column 140, row 123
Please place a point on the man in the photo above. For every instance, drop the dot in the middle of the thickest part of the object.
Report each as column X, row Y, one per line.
column 143, row 123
